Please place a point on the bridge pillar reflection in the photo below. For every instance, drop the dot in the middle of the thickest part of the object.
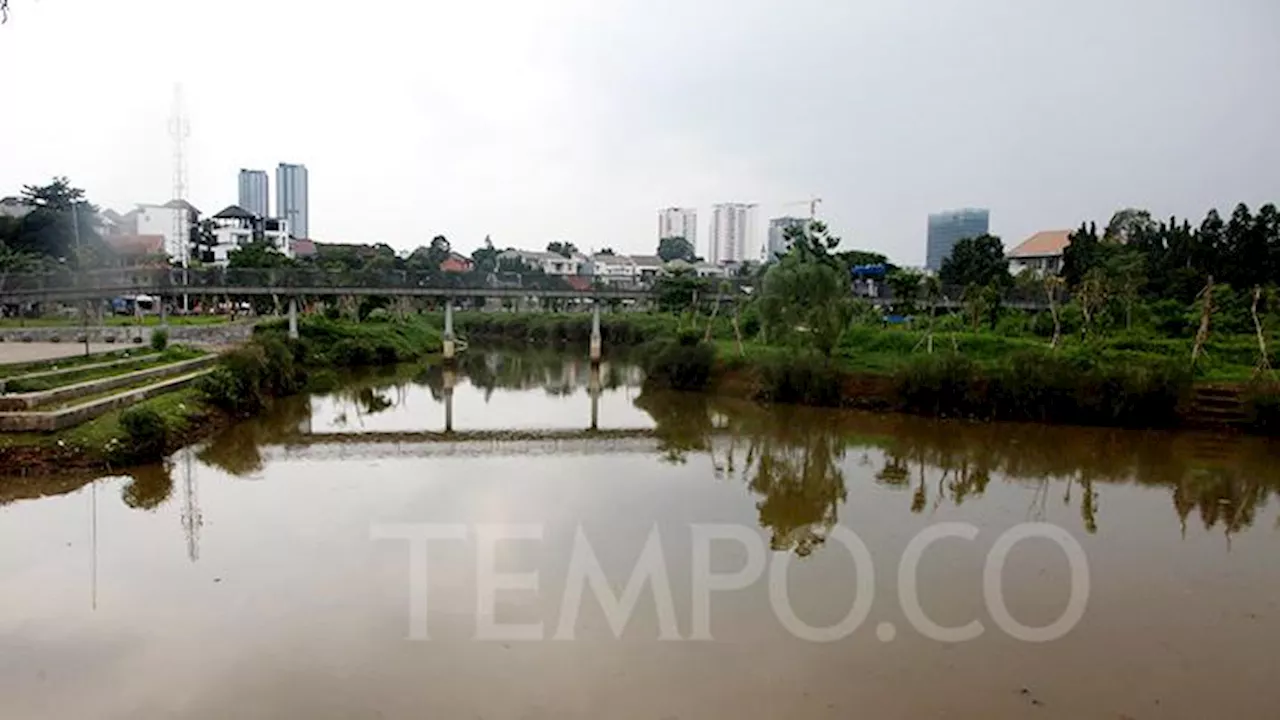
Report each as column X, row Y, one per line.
column 595, row 334
column 450, row 379
column 448, row 332
column 593, row 389
column 293, row 318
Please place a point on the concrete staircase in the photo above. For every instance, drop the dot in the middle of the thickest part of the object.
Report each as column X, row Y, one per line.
column 1217, row 406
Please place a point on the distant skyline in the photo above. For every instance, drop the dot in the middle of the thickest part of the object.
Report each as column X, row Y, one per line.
column 575, row 120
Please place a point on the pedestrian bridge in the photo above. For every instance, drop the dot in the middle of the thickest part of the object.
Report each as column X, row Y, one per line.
column 69, row 286
column 297, row 282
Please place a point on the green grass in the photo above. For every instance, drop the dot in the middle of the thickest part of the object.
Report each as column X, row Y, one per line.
column 172, row 354
column 112, row 321
column 83, row 399
column 94, row 439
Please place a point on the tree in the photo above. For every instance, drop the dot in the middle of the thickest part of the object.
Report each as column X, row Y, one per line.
column 1125, row 275
column 676, row 248
column 485, row 257
column 1128, row 224
column 806, row 293
column 1081, row 254
column 62, row 224
column 976, row 261
column 564, row 249
column 259, row 254
column 905, row 285
column 606, row 251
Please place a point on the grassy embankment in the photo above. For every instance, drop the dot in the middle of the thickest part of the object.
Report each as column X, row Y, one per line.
column 1123, row 380
column 71, row 376
column 268, row 366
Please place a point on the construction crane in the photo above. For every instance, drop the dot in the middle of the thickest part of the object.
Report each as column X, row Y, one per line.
column 812, row 202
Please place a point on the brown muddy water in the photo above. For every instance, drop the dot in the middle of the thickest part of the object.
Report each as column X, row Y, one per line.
column 265, row 574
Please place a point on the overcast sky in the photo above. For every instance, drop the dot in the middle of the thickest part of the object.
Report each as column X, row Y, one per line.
column 539, row 120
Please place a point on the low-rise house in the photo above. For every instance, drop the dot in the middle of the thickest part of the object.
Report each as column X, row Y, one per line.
column 303, row 248
column 14, row 207
column 1040, row 253
column 137, row 251
column 548, row 262
column 612, row 269
column 711, row 270
column 648, row 267
column 234, row 227
column 457, row 263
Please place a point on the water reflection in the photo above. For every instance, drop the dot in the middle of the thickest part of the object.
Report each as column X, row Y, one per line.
column 798, row 463
column 795, row 458
column 149, row 487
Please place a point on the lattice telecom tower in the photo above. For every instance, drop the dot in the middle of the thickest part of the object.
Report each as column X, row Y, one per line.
column 179, row 130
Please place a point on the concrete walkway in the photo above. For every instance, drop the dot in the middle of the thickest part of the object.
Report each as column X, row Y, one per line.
column 20, row 352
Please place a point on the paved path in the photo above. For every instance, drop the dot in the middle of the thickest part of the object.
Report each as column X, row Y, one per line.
column 20, row 352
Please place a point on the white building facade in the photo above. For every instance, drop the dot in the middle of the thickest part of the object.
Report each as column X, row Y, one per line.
column 678, row 222
column 549, row 262
column 613, row 269
column 174, row 223
column 731, row 232
column 236, row 227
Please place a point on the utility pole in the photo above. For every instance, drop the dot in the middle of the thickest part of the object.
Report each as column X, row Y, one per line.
column 84, row 311
column 179, row 131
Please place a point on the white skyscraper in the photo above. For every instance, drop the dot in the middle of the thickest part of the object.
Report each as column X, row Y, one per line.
column 731, row 232
column 679, row 222
column 778, row 245
column 291, row 198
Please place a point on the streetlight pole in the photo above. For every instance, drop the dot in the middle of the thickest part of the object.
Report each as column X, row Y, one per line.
column 84, row 310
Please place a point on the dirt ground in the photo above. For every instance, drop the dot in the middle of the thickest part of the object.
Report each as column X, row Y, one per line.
column 14, row 352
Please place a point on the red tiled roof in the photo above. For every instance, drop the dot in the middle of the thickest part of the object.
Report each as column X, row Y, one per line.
column 581, row 283
column 135, row 245
column 303, row 247
column 1049, row 243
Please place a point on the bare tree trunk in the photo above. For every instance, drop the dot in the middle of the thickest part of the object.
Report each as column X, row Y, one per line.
column 712, row 320
column 1203, row 333
column 1057, row 321
column 737, row 331
column 1264, row 362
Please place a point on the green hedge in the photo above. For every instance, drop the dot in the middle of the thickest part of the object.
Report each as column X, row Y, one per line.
column 1045, row 387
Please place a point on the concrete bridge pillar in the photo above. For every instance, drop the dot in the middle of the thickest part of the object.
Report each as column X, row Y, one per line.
column 450, row 379
column 293, row 318
column 448, row 333
column 595, row 334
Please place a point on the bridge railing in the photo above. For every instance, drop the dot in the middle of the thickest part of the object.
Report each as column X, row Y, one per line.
column 195, row 280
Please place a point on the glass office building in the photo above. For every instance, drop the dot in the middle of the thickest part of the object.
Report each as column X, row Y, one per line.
column 948, row 228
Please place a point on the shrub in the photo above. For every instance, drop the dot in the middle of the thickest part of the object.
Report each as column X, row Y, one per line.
column 1264, row 402
column 146, row 435
column 1047, row 387
column 159, row 339
column 351, row 352
column 941, row 384
column 250, row 375
column 804, row 379
column 683, row 364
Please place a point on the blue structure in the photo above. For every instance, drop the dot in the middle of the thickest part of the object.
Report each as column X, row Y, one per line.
column 877, row 270
column 948, row 228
